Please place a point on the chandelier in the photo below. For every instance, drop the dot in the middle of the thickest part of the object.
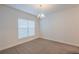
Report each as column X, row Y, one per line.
column 40, row 15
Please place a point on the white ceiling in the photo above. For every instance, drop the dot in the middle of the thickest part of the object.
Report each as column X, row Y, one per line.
column 35, row 9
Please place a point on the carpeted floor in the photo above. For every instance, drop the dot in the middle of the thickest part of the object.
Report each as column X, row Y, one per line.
column 42, row 46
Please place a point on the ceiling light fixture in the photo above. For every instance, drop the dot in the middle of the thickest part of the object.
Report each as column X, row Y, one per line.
column 40, row 15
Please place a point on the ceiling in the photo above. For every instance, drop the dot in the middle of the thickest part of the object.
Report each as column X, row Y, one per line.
column 46, row 9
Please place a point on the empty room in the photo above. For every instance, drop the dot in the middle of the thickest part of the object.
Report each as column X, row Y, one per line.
column 39, row 28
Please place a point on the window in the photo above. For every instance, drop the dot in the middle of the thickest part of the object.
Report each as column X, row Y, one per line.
column 26, row 28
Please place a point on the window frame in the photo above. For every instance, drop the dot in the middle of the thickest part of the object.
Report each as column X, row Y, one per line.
column 29, row 35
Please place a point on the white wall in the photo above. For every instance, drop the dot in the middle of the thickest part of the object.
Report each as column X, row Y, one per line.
column 8, row 26
column 62, row 26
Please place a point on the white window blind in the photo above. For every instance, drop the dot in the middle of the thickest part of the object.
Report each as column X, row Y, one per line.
column 26, row 28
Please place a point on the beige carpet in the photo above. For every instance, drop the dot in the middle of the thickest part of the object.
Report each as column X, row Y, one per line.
column 42, row 46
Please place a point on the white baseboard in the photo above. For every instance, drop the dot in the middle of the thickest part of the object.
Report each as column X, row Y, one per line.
column 76, row 45
column 30, row 39
column 40, row 37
